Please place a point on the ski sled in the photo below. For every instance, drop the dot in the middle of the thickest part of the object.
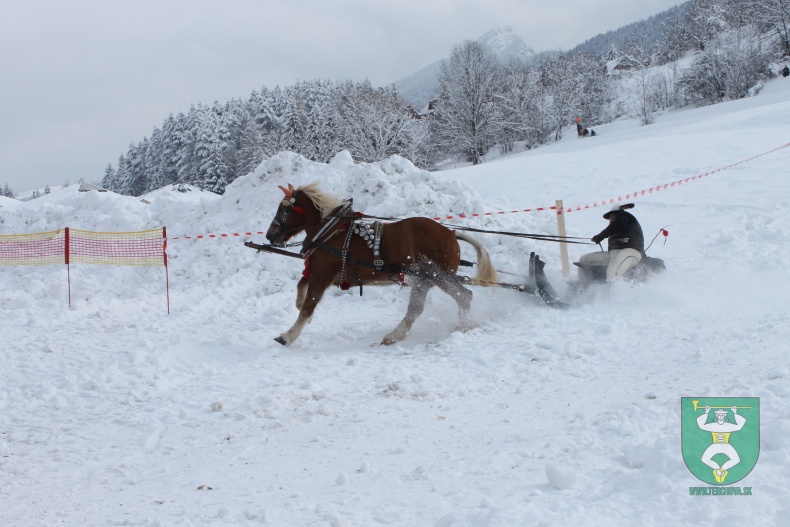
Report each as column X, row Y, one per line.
column 596, row 274
column 591, row 274
column 539, row 284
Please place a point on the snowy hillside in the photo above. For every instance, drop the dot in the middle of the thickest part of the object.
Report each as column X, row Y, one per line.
column 115, row 413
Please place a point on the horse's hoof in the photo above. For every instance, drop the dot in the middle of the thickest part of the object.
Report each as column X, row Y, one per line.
column 386, row 341
column 280, row 340
column 464, row 328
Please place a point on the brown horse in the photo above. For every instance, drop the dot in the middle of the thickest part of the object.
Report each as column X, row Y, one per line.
column 340, row 249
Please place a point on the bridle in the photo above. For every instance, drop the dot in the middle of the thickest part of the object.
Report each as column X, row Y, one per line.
column 327, row 228
column 288, row 205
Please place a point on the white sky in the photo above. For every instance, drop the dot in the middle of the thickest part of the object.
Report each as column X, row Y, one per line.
column 83, row 79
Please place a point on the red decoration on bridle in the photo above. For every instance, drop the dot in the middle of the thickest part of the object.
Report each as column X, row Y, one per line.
column 290, row 196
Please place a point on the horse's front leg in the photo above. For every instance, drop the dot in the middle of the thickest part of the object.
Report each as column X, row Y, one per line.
column 314, row 289
column 301, row 291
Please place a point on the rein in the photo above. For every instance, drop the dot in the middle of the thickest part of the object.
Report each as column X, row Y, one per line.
column 531, row 236
column 332, row 224
column 541, row 237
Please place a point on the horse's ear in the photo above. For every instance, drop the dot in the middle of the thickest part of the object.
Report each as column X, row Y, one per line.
column 287, row 191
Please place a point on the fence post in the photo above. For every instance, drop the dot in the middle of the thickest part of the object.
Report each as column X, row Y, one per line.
column 66, row 253
column 167, row 273
column 561, row 231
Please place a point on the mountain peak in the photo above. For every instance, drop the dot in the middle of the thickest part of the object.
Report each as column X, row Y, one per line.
column 505, row 44
column 420, row 87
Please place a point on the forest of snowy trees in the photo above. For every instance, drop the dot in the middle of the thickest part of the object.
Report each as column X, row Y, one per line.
column 480, row 104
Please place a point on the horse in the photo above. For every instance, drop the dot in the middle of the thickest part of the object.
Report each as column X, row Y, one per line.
column 340, row 248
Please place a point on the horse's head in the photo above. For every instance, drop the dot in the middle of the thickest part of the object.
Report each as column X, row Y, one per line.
column 289, row 219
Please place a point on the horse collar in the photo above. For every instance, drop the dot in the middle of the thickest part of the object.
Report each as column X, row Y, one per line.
column 326, row 228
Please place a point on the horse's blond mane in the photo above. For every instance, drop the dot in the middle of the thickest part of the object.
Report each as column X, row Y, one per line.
column 325, row 203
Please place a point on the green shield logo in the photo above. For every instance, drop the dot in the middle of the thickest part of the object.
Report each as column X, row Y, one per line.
column 720, row 437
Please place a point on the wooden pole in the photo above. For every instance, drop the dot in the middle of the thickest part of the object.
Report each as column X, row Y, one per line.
column 566, row 267
column 167, row 273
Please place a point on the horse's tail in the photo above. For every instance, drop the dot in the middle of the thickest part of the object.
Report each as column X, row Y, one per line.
column 486, row 274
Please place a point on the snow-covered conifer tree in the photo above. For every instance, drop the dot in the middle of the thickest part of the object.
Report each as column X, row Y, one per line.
column 467, row 119
column 210, row 146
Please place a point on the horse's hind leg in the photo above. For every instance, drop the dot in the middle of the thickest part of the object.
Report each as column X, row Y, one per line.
column 419, row 291
column 462, row 296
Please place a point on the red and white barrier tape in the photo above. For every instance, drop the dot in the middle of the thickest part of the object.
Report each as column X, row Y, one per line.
column 666, row 186
column 609, row 201
column 232, row 235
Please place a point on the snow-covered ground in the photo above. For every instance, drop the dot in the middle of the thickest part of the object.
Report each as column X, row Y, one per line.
column 115, row 413
column 8, row 202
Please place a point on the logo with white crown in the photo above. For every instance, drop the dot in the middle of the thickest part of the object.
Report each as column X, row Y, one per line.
column 720, row 437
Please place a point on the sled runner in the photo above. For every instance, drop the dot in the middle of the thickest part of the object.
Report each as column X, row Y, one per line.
column 639, row 273
column 596, row 274
column 539, row 285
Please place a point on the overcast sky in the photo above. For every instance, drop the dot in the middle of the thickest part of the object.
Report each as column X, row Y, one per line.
column 82, row 79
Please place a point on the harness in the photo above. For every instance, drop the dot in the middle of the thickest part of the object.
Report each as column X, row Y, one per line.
column 372, row 236
column 344, row 218
column 340, row 218
column 327, row 228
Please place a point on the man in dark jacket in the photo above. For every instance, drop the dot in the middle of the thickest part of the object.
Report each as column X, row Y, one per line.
column 626, row 244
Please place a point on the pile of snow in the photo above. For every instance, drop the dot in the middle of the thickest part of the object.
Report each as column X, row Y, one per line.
column 178, row 192
column 5, row 201
column 114, row 413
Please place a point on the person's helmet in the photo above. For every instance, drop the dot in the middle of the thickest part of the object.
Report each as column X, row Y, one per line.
column 617, row 208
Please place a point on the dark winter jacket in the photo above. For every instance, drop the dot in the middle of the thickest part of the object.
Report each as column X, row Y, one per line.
column 624, row 232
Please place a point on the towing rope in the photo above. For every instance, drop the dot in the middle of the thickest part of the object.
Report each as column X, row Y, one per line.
column 542, row 237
